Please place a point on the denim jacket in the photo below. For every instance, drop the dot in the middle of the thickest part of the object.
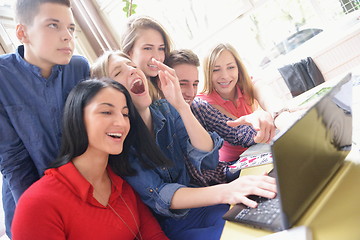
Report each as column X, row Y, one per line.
column 157, row 186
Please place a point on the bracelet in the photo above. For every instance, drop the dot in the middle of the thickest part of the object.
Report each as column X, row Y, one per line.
column 276, row 114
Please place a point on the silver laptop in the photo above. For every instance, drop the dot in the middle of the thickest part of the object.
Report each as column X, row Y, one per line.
column 305, row 158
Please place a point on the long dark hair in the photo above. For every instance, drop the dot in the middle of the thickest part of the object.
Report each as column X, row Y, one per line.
column 74, row 136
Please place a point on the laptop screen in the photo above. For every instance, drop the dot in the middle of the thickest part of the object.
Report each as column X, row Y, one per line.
column 310, row 152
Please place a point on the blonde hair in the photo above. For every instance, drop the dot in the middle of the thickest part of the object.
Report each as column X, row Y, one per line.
column 244, row 80
column 100, row 68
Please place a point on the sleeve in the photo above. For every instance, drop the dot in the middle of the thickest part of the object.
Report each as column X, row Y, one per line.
column 205, row 160
column 213, row 120
column 34, row 220
column 153, row 190
column 200, row 159
column 16, row 165
column 149, row 227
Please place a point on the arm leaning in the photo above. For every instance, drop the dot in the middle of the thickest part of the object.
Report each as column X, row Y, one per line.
column 213, row 120
column 17, row 167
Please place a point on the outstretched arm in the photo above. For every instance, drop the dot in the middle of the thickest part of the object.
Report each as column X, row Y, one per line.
column 234, row 192
column 262, row 119
column 215, row 121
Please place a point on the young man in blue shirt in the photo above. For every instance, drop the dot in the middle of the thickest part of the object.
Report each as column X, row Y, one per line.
column 35, row 82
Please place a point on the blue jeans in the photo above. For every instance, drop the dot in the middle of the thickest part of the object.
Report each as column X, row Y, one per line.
column 203, row 223
column 11, row 193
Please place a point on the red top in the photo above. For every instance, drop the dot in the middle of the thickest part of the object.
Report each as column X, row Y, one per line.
column 229, row 152
column 61, row 206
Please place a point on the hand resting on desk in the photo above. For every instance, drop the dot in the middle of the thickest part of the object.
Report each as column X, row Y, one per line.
column 234, row 192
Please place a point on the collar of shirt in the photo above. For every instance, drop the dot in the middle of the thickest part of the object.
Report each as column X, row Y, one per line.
column 35, row 69
column 70, row 176
column 214, row 98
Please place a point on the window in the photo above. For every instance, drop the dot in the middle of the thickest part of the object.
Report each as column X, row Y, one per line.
column 9, row 41
column 254, row 27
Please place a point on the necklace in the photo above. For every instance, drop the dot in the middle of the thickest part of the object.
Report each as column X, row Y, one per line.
column 132, row 214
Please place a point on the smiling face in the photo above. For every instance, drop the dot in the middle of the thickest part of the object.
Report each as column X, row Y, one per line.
column 188, row 75
column 225, row 75
column 149, row 44
column 124, row 71
column 107, row 122
column 49, row 40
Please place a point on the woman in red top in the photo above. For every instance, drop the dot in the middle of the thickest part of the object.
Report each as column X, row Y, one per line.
column 229, row 88
column 83, row 197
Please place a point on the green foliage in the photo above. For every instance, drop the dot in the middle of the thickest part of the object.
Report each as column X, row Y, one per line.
column 129, row 8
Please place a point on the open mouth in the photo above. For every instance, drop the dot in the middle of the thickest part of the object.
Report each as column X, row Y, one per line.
column 137, row 87
column 114, row 135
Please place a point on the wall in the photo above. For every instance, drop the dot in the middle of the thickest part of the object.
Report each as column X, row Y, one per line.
column 335, row 51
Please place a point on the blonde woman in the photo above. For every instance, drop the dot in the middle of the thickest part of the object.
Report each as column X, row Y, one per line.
column 229, row 88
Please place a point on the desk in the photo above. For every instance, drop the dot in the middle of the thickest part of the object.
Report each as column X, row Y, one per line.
column 335, row 214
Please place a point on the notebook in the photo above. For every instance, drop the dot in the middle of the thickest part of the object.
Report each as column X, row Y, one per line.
column 305, row 157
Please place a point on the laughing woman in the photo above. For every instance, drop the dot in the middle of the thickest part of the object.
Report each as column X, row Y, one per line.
column 82, row 196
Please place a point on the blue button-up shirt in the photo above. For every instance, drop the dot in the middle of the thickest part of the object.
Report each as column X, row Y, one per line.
column 30, row 116
column 157, row 186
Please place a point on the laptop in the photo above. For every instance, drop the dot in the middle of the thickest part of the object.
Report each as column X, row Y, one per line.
column 305, row 157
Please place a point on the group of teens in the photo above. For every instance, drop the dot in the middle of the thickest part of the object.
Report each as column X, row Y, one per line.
column 142, row 154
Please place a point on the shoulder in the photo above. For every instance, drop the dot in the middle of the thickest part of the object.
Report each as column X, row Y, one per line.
column 79, row 61
column 201, row 104
column 77, row 69
column 198, row 101
column 7, row 59
column 41, row 193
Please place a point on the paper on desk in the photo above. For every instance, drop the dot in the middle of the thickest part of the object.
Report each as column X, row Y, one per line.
column 251, row 161
column 257, row 149
column 296, row 233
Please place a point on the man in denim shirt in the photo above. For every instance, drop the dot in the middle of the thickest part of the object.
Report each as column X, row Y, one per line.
column 35, row 82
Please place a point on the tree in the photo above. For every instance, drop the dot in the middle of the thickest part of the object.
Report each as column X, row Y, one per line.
column 129, row 8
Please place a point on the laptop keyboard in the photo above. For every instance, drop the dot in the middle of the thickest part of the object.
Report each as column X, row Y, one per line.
column 266, row 211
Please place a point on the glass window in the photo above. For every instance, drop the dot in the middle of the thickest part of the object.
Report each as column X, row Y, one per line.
column 261, row 30
column 9, row 41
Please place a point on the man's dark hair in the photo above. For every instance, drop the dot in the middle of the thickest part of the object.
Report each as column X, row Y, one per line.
column 26, row 10
column 182, row 56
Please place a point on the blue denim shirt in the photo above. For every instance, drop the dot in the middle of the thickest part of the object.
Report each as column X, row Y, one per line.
column 157, row 186
column 31, row 109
